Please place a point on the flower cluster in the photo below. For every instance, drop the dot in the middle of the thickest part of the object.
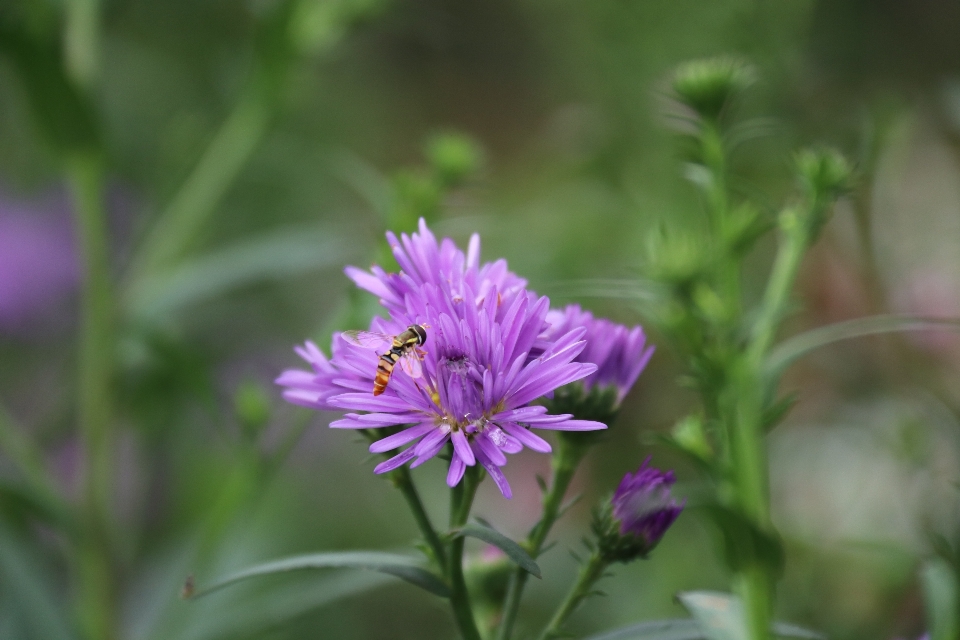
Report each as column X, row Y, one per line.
column 486, row 359
column 638, row 515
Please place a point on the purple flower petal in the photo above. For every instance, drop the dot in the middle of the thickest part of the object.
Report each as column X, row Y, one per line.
column 526, row 437
column 455, row 472
column 396, row 461
column 399, row 439
column 462, row 447
column 573, row 425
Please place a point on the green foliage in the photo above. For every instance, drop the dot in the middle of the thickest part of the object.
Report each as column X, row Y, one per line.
column 252, row 406
column 513, row 550
column 942, row 599
column 404, row 567
column 720, row 617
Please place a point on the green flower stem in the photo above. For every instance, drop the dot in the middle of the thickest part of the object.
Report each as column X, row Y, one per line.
column 96, row 590
column 714, row 158
column 582, row 588
column 403, row 481
column 756, row 589
column 82, row 41
column 749, row 456
column 794, row 243
column 461, row 500
column 565, row 463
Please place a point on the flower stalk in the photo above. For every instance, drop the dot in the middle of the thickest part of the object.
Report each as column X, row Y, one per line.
column 96, row 592
column 403, row 481
column 589, row 574
column 564, row 466
column 461, row 501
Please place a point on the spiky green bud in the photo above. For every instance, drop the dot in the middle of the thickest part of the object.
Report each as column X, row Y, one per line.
column 707, row 86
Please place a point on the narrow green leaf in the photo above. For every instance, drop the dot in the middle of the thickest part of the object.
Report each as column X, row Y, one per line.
column 787, row 630
column 793, row 348
column 677, row 629
column 365, row 179
column 31, row 587
column 634, row 289
column 277, row 255
column 720, row 616
column 776, row 412
column 513, row 550
column 404, row 567
column 243, row 613
column 940, row 597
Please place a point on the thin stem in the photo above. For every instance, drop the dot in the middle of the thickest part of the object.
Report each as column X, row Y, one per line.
column 82, row 41
column 461, row 500
column 96, row 606
column 744, row 416
column 795, row 239
column 582, row 588
column 217, row 169
column 565, row 463
column 403, row 481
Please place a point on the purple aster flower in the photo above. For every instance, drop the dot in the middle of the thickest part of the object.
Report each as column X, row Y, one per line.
column 484, row 362
column 38, row 262
column 638, row 515
column 620, row 353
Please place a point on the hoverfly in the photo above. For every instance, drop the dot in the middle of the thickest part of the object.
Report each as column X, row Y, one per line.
column 403, row 348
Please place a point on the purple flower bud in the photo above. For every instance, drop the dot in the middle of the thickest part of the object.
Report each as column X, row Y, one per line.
column 643, row 504
column 638, row 515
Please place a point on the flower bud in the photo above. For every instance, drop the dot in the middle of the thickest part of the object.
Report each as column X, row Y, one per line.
column 706, row 86
column 635, row 519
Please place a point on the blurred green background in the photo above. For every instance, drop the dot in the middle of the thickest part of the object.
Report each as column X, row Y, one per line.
column 290, row 135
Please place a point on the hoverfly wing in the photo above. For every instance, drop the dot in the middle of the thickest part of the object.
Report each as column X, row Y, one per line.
column 410, row 364
column 379, row 342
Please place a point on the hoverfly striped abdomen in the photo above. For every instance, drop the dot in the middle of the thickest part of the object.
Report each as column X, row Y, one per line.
column 403, row 349
column 403, row 345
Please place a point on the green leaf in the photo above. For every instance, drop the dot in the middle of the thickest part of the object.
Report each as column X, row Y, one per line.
column 513, row 550
column 249, row 613
column 720, row 616
column 404, row 567
column 638, row 289
column 365, row 179
column 18, row 504
column 744, row 544
column 941, row 597
column 677, row 629
column 787, row 630
column 277, row 255
column 793, row 348
column 32, row 587
column 777, row 411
